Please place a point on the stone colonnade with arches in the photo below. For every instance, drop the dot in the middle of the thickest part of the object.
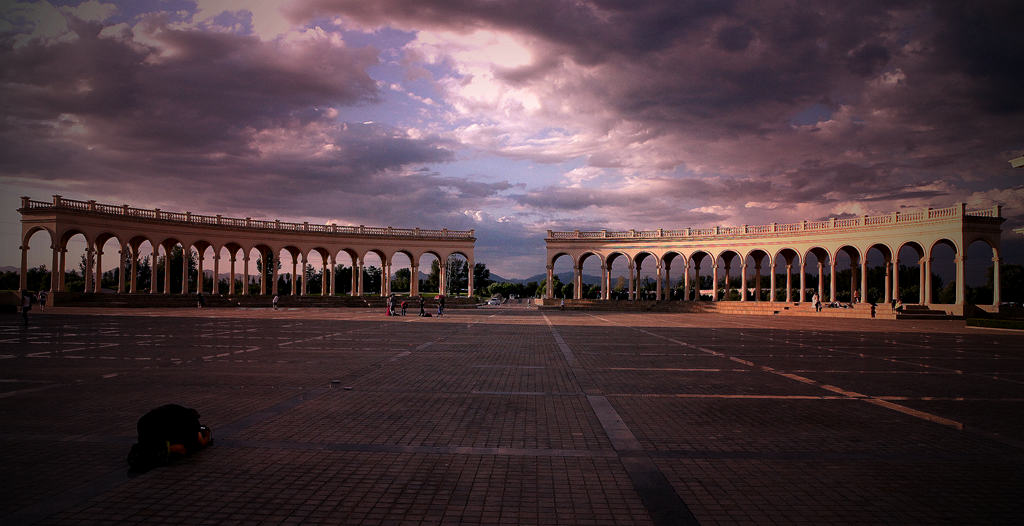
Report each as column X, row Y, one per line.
column 131, row 227
column 768, row 245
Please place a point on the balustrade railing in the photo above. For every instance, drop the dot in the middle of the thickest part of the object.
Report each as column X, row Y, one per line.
column 914, row 216
column 234, row 222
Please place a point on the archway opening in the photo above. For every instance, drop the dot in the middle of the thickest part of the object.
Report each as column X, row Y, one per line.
column 561, row 279
column 40, row 271
column 343, row 281
column 590, row 276
column 942, row 269
column 909, row 277
column 817, row 278
column 646, row 269
column 879, row 274
column 373, row 266
column 401, row 273
column 430, row 280
column 979, row 273
column 847, row 259
column 729, row 268
column 457, row 277
column 618, row 276
column 703, row 281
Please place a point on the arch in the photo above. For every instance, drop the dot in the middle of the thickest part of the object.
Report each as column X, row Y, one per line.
column 673, row 288
column 723, row 275
column 372, row 275
column 703, row 285
column 44, row 276
column 617, row 283
column 581, row 289
column 877, row 273
column 788, row 258
column 752, row 277
column 432, row 283
column 458, row 274
column 401, row 276
column 981, row 271
column 942, row 273
column 823, row 262
column 644, row 277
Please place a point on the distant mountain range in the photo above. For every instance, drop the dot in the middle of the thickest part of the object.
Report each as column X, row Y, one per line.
column 564, row 277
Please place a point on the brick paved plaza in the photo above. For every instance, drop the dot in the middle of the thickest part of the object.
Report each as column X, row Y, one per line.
column 344, row 416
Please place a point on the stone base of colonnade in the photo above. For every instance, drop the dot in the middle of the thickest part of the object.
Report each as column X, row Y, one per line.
column 145, row 300
column 764, row 308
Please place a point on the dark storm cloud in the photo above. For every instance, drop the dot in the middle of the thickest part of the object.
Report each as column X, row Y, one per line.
column 199, row 91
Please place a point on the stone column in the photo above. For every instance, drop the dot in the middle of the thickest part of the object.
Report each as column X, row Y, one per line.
column 333, row 264
column 864, row 279
column 63, row 270
column 887, row 294
column 550, row 283
column 789, row 282
column 295, row 275
column 231, row 279
column 55, row 269
column 995, row 281
column 854, row 267
column 757, row 280
column 714, row 281
column 167, row 271
column 821, row 281
column 632, row 281
column 23, row 277
column 216, row 272
column 354, row 286
column 186, row 255
column 771, row 282
column 604, row 281
column 325, row 276
column 921, row 270
column 471, row 284
column 274, row 287
column 657, row 288
column 728, row 286
column 832, row 280
column 361, row 279
column 895, row 279
column 263, row 274
column 200, row 286
column 668, row 279
column 245, row 271
column 802, row 296
column 98, row 284
column 134, row 281
column 686, row 280
column 442, row 279
column 385, row 277
column 927, row 269
column 743, row 281
column 961, row 286
column 305, row 275
column 803, row 282
column 122, row 269
column 88, row 269
column 414, row 280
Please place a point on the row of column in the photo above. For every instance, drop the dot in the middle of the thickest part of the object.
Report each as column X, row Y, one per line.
column 859, row 274
column 94, row 274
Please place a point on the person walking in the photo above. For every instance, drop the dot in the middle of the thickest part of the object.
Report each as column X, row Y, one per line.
column 440, row 305
column 276, row 299
column 816, row 301
column 42, row 299
column 200, row 301
column 26, row 305
column 422, row 311
column 403, row 307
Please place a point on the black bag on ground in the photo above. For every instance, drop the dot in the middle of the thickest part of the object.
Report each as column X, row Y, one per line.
column 166, row 431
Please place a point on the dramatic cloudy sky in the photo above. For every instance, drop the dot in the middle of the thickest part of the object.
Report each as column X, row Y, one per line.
column 513, row 117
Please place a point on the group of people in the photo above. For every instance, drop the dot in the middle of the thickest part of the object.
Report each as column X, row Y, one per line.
column 393, row 308
column 818, row 304
column 28, row 299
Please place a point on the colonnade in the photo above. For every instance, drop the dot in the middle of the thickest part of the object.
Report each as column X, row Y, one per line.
column 131, row 227
column 788, row 246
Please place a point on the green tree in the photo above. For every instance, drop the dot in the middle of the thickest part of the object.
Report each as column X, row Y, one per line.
column 481, row 277
column 401, row 280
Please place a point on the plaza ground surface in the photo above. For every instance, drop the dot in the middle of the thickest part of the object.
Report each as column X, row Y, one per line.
column 508, row 416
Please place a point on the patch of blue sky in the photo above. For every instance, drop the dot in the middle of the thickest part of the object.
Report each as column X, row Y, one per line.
column 812, row 114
